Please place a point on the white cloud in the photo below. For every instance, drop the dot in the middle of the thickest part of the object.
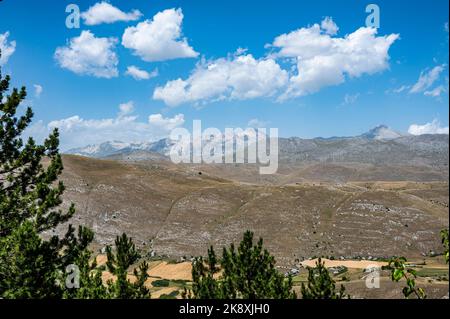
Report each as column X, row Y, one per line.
column 329, row 26
column 429, row 128
column 320, row 61
column 427, row 79
column 6, row 48
column 424, row 84
column 166, row 122
column 103, row 12
column 237, row 77
column 350, row 98
column 159, row 39
column 125, row 127
column 38, row 90
column 324, row 61
column 126, row 108
column 256, row 123
column 87, row 54
column 436, row 92
column 139, row 74
column 401, row 89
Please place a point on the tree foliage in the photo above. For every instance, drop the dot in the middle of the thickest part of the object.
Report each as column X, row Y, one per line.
column 33, row 263
column 320, row 284
column 90, row 276
column 444, row 239
column 400, row 270
column 248, row 272
column 30, row 267
column 118, row 264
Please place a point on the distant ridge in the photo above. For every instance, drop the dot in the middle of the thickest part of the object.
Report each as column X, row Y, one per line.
column 110, row 148
column 380, row 145
column 382, row 132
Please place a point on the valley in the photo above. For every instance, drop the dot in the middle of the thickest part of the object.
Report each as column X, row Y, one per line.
column 354, row 200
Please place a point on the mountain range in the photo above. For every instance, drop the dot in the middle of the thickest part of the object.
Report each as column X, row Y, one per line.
column 379, row 146
column 377, row 194
column 108, row 148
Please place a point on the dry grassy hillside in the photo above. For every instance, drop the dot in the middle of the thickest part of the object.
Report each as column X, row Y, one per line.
column 178, row 211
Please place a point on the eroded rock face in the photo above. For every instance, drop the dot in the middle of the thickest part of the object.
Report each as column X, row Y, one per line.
column 172, row 210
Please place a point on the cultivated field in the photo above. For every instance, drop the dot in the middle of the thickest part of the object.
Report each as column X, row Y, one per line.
column 168, row 279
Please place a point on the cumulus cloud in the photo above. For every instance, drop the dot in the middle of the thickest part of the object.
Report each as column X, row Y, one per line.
column 318, row 60
column 6, row 48
column 323, row 60
column 103, row 12
column 166, row 122
column 159, row 39
column 237, row 77
column 433, row 127
column 87, row 54
column 427, row 79
column 139, row 74
column 38, row 90
column 125, row 127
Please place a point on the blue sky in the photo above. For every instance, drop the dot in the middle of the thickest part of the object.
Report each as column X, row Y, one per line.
column 309, row 68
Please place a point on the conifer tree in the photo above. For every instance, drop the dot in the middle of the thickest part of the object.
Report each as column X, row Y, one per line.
column 248, row 272
column 320, row 284
column 118, row 263
column 90, row 285
column 205, row 285
column 32, row 263
column 30, row 267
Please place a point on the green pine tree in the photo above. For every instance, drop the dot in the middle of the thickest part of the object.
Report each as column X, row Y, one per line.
column 30, row 267
column 205, row 285
column 118, row 263
column 90, row 276
column 320, row 284
column 33, row 265
column 248, row 272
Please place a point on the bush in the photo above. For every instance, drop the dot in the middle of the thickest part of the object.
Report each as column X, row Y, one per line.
column 399, row 270
column 161, row 283
column 172, row 295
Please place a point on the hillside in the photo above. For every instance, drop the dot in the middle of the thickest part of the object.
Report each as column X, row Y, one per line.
column 379, row 154
column 177, row 211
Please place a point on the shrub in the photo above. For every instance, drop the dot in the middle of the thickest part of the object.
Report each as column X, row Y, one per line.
column 161, row 283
